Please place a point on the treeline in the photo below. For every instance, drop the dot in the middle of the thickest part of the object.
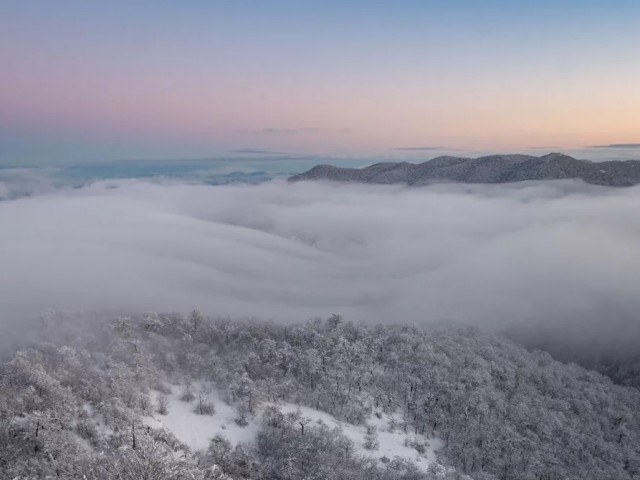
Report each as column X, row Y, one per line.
column 71, row 407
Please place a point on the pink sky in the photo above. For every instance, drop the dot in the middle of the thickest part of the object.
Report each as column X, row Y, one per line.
column 224, row 85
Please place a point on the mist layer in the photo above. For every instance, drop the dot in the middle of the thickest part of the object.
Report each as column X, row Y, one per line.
column 546, row 258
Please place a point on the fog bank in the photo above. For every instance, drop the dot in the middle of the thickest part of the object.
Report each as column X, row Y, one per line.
column 558, row 258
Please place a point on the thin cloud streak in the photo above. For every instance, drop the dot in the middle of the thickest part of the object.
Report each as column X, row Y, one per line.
column 420, row 148
column 303, row 131
column 617, row 145
column 257, row 151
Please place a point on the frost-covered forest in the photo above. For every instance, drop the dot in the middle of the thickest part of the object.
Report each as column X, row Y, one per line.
column 169, row 396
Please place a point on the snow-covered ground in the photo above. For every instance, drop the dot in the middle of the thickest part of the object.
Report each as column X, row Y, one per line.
column 392, row 443
column 196, row 430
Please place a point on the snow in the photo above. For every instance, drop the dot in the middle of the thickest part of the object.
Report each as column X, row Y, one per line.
column 196, row 430
column 392, row 443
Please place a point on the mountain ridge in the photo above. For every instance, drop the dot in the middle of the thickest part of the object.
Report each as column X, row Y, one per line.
column 487, row 169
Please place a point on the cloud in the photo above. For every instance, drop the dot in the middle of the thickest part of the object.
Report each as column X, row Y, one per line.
column 617, row 145
column 549, row 258
column 302, row 131
column 257, row 151
column 24, row 182
column 420, row 148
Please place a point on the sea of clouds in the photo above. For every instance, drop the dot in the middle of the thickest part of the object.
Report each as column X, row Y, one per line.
column 554, row 259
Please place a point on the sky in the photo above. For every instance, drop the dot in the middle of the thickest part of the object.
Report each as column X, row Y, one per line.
column 96, row 81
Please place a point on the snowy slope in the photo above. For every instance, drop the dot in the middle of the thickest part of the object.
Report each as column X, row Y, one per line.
column 196, row 430
column 392, row 443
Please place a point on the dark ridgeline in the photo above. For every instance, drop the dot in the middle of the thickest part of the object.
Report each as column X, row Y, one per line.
column 489, row 169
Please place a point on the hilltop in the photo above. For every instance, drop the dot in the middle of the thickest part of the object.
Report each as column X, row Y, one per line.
column 166, row 396
column 487, row 169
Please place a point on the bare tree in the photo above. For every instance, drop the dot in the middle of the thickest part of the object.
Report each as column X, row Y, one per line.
column 163, row 404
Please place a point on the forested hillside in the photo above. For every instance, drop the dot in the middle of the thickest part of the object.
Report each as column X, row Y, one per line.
column 487, row 169
column 88, row 399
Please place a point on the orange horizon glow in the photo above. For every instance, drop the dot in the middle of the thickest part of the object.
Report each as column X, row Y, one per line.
column 223, row 86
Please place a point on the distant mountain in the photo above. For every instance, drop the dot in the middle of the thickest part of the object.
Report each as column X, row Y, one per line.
column 488, row 169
